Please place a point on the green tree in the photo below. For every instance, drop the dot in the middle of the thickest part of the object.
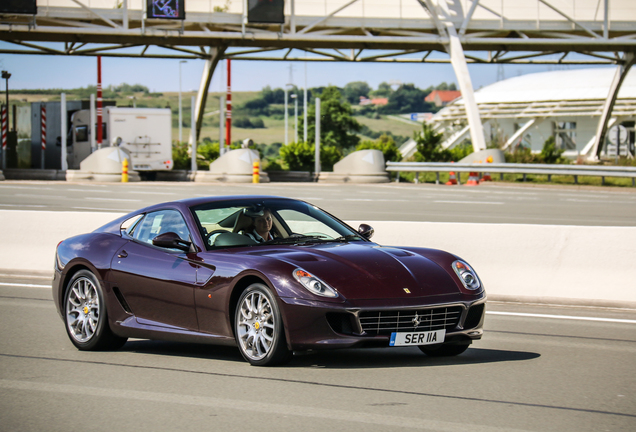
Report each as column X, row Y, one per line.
column 337, row 125
column 384, row 90
column 429, row 148
column 407, row 99
column 353, row 90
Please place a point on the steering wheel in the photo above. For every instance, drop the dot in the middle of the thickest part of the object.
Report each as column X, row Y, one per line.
column 210, row 234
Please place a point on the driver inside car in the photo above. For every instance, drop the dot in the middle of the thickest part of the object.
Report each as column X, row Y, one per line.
column 262, row 227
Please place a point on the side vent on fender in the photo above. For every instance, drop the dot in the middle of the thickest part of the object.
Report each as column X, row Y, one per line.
column 122, row 300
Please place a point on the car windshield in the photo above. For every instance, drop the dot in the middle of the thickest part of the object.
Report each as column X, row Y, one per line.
column 253, row 222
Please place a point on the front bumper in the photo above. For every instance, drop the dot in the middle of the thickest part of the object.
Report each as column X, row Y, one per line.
column 314, row 325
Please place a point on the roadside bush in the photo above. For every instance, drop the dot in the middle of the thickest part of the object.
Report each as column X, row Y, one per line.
column 299, row 156
column 386, row 145
column 550, row 154
column 180, row 156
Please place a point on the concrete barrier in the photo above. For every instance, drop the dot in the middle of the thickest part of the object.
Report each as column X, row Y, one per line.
column 362, row 166
column 537, row 263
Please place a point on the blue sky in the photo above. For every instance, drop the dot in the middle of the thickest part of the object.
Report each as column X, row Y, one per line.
column 162, row 75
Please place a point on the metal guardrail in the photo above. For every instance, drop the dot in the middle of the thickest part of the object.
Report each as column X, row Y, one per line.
column 511, row 168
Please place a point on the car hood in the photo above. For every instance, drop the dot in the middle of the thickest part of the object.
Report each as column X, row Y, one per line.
column 368, row 271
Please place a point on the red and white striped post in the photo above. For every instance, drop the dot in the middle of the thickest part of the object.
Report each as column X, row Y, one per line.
column 4, row 137
column 228, row 107
column 43, row 121
column 99, row 102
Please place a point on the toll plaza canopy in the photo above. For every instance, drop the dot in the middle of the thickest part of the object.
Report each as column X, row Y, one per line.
column 458, row 32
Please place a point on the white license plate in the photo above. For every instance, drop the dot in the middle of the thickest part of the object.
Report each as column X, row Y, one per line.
column 417, row 338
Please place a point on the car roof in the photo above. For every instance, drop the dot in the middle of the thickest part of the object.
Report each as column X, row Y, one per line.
column 191, row 202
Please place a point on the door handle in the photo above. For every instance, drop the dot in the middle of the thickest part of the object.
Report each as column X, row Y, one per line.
column 122, row 254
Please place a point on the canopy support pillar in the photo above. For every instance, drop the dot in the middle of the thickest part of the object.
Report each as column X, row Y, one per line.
column 608, row 106
column 216, row 54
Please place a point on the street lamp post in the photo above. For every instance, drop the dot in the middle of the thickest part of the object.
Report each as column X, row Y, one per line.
column 286, row 132
column 6, row 75
column 287, row 86
column 180, row 113
column 295, row 98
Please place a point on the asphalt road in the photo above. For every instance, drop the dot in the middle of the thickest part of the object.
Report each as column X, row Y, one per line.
column 531, row 373
column 487, row 203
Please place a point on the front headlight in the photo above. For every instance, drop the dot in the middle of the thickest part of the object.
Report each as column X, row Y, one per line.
column 467, row 275
column 313, row 284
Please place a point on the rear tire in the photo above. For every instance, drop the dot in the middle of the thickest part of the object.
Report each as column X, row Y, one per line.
column 258, row 327
column 85, row 315
column 443, row 350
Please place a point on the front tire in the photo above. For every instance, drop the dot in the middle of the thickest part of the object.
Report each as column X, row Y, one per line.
column 258, row 327
column 85, row 314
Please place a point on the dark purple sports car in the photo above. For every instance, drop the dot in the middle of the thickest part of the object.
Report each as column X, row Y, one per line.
column 271, row 275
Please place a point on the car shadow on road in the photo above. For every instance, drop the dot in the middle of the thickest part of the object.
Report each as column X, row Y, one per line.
column 336, row 359
column 404, row 357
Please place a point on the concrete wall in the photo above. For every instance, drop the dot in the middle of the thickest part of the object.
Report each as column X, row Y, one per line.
column 561, row 264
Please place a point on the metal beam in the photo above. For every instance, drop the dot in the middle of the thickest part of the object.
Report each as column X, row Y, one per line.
column 519, row 134
column 97, row 14
column 216, row 53
column 572, row 20
column 325, row 18
column 460, row 67
column 619, row 77
column 468, row 17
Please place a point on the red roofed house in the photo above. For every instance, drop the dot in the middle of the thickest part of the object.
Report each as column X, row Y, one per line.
column 374, row 101
column 442, row 97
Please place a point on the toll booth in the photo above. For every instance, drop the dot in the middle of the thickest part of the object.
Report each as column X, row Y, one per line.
column 53, row 153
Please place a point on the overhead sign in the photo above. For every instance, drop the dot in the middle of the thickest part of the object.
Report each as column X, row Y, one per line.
column 266, row 11
column 19, row 7
column 617, row 134
column 165, row 9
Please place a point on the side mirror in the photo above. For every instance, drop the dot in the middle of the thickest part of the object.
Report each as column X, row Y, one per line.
column 366, row 231
column 173, row 241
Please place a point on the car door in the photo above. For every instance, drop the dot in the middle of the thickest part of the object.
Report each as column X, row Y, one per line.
column 157, row 283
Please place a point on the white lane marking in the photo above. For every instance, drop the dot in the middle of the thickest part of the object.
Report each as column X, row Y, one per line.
column 110, row 199
column 564, row 317
column 103, row 209
column 88, row 190
column 22, row 205
column 468, row 202
column 26, row 187
column 26, row 276
column 40, row 196
column 24, row 285
column 390, row 421
column 150, row 193
column 375, row 199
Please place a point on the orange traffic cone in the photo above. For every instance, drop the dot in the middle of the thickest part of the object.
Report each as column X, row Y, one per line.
column 452, row 180
column 473, row 179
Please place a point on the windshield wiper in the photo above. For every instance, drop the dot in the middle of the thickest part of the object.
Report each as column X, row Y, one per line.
column 296, row 239
column 346, row 238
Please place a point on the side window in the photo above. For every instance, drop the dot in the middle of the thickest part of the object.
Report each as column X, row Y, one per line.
column 160, row 222
column 81, row 133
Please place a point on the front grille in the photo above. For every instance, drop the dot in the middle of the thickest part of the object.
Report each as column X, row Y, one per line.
column 386, row 322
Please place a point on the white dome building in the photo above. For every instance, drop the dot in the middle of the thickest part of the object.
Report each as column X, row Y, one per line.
column 565, row 104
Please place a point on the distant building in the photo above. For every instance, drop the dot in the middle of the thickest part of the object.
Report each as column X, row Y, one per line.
column 376, row 101
column 528, row 109
column 442, row 97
